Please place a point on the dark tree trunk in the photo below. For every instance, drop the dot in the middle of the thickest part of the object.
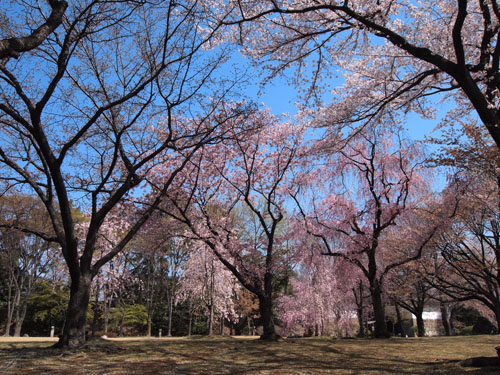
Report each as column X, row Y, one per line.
column 399, row 324
column 266, row 316
column 238, row 327
column 76, row 316
column 122, row 321
column 358, row 298
column 420, row 324
column 361, row 322
column 379, row 312
column 190, row 317
column 497, row 316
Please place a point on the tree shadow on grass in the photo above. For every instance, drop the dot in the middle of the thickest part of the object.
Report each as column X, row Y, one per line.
column 236, row 357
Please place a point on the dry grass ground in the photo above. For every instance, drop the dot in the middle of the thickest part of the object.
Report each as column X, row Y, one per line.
column 198, row 355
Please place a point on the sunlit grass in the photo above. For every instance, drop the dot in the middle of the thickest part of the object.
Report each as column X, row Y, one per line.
column 201, row 355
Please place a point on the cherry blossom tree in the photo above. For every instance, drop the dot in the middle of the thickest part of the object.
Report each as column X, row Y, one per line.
column 393, row 55
column 370, row 187
column 207, row 280
column 87, row 113
column 237, row 191
column 319, row 301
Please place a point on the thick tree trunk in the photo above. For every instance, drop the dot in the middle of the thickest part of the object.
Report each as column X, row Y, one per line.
column 446, row 318
column 16, row 306
column 266, row 316
column 379, row 312
column 497, row 316
column 20, row 318
column 420, row 324
column 76, row 315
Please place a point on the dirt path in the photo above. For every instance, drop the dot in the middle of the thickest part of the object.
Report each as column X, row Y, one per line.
column 28, row 339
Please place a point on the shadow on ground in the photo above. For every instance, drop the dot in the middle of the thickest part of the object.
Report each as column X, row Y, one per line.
column 253, row 357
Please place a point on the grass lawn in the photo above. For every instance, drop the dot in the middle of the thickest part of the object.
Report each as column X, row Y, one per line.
column 199, row 355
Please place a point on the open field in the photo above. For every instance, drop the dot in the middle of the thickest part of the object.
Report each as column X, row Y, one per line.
column 200, row 355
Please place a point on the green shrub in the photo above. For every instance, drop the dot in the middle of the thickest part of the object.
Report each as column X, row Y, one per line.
column 466, row 331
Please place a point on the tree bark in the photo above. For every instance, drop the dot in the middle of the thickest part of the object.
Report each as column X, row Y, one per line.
column 13, row 47
column 266, row 316
column 76, row 316
column 379, row 312
column 358, row 297
column 8, row 321
column 361, row 323
column 420, row 324
column 446, row 318
column 20, row 318
column 399, row 323
column 170, row 309
column 497, row 316
column 15, row 308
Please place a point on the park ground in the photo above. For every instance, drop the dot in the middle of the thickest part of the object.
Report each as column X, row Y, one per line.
column 247, row 356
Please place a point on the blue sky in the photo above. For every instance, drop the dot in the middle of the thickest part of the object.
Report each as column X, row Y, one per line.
column 281, row 97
